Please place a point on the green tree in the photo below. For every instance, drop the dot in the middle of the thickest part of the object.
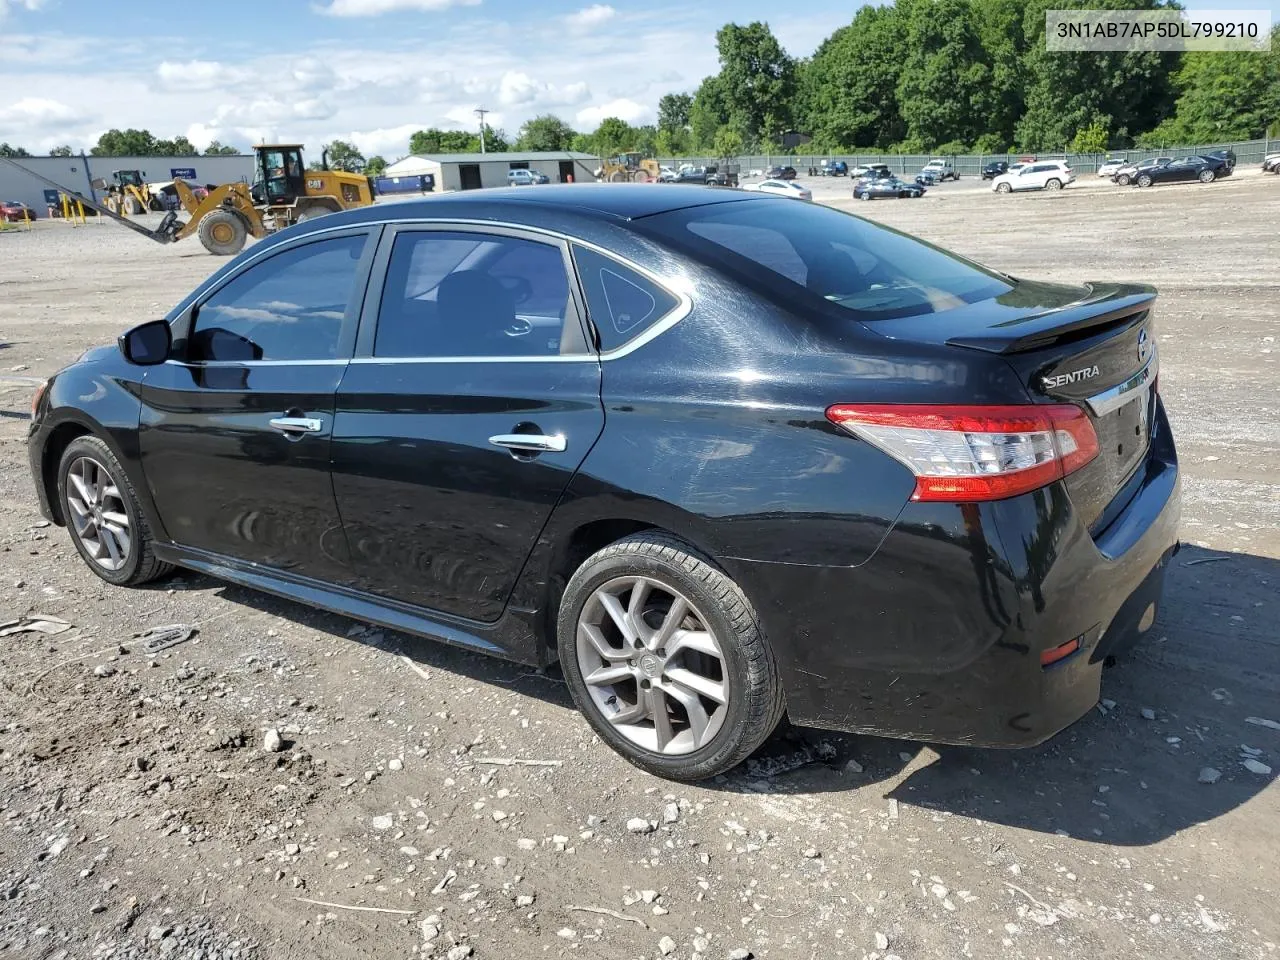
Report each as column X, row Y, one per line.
column 546, row 132
column 216, row 149
column 495, row 141
column 728, row 142
column 710, row 112
column 1126, row 92
column 1000, row 27
column 757, row 81
column 125, row 143
column 345, row 156
column 177, row 147
column 1224, row 96
column 613, row 136
column 848, row 89
column 16, row 153
column 63, row 151
column 945, row 83
column 583, row 143
column 375, row 166
column 1090, row 139
column 673, row 112
column 434, row 140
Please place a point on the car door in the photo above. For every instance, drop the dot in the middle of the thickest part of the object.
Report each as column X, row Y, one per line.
column 473, row 398
column 235, row 427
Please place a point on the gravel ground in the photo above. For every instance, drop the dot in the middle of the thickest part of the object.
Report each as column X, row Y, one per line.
column 424, row 802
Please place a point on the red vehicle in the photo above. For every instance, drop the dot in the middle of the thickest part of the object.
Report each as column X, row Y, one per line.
column 14, row 211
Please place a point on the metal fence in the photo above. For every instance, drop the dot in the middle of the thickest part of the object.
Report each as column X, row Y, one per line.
column 970, row 165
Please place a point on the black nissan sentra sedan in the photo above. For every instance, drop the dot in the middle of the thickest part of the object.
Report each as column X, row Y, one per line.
column 722, row 455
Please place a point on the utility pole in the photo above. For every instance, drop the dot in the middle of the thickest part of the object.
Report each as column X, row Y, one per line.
column 480, row 112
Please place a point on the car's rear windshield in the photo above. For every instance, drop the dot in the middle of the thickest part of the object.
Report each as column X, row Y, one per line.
column 834, row 262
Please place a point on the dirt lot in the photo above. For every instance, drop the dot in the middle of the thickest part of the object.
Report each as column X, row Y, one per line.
column 142, row 816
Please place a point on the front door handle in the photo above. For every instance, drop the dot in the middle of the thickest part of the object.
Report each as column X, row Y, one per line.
column 297, row 425
column 530, row 442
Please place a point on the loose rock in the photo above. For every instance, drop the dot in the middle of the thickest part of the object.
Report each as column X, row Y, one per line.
column 671, row 813
column 1148, row 713
column 1209, row 775
column 460, row 952
column 882, row 942
column 272, row 742
column 1255, row 766
column 667, row 946
column 640, row 825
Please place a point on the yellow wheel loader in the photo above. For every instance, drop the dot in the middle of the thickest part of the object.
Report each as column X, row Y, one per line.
column 629, row 168
column 283, row 193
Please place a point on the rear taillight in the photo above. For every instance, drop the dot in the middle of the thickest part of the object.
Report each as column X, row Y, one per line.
column 966, row 453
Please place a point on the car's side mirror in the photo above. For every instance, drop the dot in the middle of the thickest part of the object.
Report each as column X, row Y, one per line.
column 147, row 344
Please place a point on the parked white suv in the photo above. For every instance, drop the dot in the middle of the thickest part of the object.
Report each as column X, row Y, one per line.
column 1041, row 175
column 941, row 169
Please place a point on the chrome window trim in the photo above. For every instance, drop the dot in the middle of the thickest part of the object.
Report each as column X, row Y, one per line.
column 1108, row 401
column 683, row 308
column 258, row 363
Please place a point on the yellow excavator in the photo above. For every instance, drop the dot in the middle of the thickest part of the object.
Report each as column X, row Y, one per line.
column 283, row 193
column 629, row 168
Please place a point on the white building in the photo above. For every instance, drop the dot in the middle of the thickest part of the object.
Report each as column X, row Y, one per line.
column 470, row 171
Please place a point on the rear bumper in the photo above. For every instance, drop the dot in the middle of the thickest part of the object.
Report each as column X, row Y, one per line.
column 938, row 636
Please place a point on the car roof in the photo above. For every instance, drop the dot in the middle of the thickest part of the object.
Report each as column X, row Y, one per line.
column 619, row 201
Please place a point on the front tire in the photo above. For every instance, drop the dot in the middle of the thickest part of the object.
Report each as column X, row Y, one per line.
column 103, row 516
column 663, row 655
column 1123, row 180
column 1144, row 181
column 223, row 232
column 1003, row 188
column 866, row 194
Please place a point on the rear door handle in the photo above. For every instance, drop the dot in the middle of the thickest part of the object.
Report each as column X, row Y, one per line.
column 297, row 425
column 530, row 442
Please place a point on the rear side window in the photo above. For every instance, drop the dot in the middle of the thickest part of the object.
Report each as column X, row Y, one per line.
column 290, row 306
column 837, row 263
column 621, row 302
column 474, row 295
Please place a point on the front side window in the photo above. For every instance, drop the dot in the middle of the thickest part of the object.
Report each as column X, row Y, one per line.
column 290, row 306
column 839, row 264
column 474, row 295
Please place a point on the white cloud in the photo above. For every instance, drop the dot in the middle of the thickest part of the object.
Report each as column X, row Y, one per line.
column 375, row 8
column 29, row 5
column 589, row 17
column 622, row 108
column 518, row 89
column 37, row 113
column 197, row 75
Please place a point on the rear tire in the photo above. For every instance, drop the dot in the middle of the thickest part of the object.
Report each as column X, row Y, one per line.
column 1207, row 176
column 716, row 616
column 312, row 211
column 123, row 553
column 1053, row 184
column 223, row 233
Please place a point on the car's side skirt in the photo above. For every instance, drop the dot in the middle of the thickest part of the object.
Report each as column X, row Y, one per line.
column 356, row 604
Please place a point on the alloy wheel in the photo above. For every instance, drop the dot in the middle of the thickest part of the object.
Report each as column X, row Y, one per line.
column 652, row 665
column 98, row 513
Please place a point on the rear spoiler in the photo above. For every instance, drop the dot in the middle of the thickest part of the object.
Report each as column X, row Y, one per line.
column 1041, row 329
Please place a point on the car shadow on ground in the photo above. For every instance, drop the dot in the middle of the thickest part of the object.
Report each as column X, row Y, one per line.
column 1129, row 773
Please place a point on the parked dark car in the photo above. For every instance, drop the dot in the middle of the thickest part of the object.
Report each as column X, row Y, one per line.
column 696, row 175
column 877, row 171
column 1206, row 169
column 15, row 211
column 633, row 429
column 780, row 173
column 723, row 175
column 994, row 169
column 1127, row 174
column 834, row 168
column 890, row 188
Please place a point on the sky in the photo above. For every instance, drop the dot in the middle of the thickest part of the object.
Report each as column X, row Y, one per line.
column 367, row 71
